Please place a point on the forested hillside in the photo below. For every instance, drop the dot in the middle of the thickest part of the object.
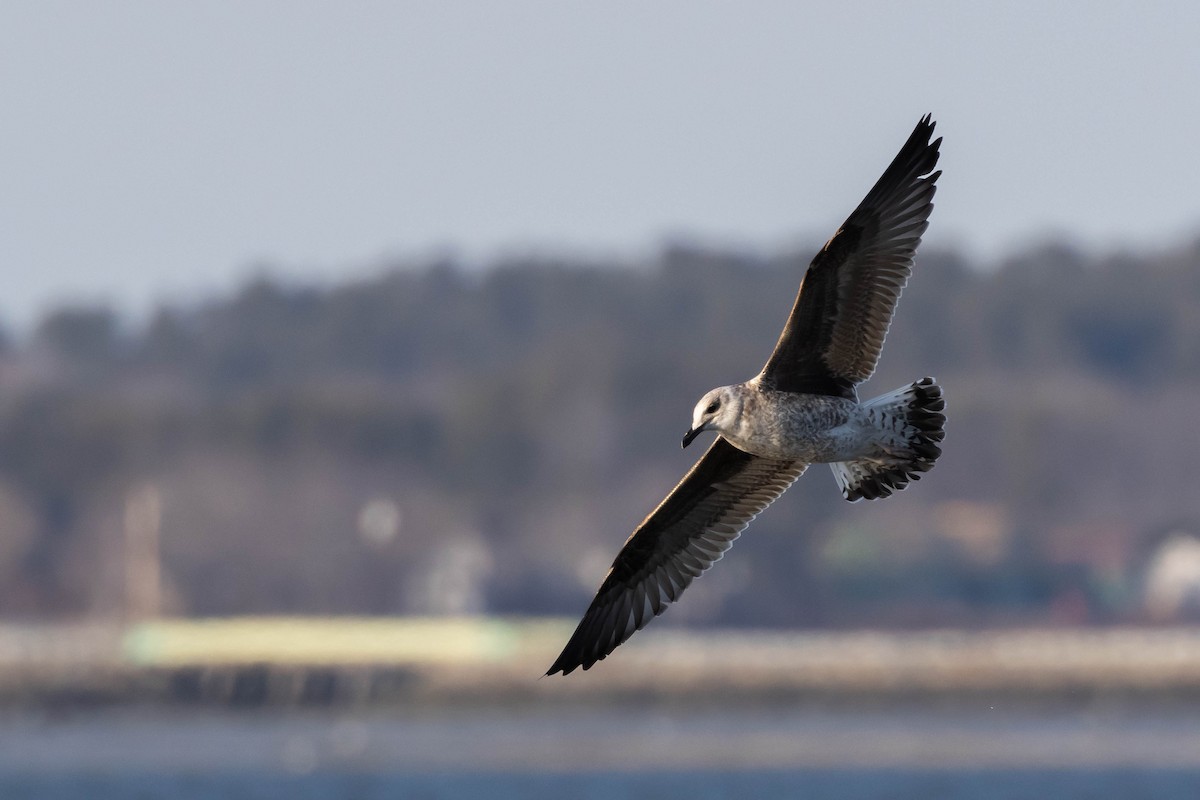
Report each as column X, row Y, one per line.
column 438, row 440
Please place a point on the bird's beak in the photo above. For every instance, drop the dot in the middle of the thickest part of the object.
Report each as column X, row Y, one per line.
column 692, row 434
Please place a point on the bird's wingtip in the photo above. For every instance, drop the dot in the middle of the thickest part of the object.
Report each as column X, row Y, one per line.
column 562, row 665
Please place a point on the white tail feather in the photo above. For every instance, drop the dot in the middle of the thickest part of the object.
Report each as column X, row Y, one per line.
column 912, row 424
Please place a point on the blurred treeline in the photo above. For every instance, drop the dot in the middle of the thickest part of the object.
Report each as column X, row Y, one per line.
column 442, row 440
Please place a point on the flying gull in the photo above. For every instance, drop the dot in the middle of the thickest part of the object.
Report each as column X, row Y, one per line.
column 802, row 409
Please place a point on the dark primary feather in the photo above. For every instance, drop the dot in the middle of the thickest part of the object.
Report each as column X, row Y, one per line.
column 833, row 336
column 682, row 538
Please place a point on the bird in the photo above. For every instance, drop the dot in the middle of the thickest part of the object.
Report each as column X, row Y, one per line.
column 801, row 409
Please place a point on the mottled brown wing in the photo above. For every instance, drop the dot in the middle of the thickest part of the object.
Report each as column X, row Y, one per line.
column 832, row 338
column 682, row 538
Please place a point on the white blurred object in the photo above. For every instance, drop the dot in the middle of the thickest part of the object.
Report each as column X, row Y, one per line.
column 451, row 582
column 379, row 522
column 1173, row 578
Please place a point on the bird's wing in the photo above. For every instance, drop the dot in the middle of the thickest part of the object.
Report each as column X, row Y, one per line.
column 690, row 529
column 832, row 338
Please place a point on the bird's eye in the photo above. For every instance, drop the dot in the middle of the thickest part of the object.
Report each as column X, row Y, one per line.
column 713, row 406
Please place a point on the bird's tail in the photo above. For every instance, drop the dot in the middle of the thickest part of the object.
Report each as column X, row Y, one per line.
column 910, row 422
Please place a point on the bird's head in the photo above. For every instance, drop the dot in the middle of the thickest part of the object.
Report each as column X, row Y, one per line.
column 719, row 411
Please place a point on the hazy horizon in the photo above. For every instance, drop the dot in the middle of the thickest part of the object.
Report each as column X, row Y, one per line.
column 160, row 151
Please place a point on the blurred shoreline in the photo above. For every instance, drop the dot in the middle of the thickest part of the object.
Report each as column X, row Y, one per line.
column 349, row 663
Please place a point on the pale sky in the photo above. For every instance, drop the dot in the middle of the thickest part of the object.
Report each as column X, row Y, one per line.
column 167, row 150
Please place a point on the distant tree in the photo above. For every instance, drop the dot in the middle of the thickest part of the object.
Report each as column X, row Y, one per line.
column 80, row 335
column 532, row 410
